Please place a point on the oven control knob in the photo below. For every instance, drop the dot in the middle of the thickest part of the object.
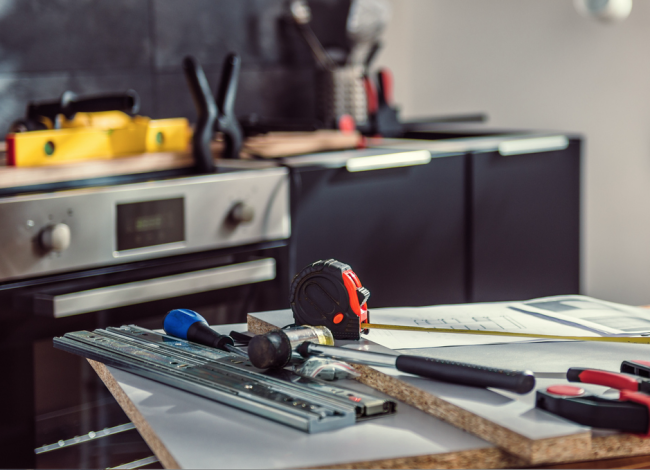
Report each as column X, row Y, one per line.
column 241, row 212
column 55, row 237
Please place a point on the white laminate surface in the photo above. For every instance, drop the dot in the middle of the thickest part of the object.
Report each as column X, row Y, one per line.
column 200, row 433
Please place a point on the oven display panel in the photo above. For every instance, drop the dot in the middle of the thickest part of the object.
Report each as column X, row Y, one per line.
column 150, row 223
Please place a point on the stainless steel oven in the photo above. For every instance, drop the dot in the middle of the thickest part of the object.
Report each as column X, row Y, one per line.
column 115, row 254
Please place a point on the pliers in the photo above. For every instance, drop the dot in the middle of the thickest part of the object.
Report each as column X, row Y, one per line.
column 629, row 413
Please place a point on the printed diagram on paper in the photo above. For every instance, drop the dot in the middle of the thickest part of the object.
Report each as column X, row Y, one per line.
column 494, row 316
column 500, row 323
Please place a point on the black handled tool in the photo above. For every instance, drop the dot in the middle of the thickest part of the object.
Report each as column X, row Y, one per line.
column 274, row 351
column 70, row 103
column 214, row 116
column 437, row 369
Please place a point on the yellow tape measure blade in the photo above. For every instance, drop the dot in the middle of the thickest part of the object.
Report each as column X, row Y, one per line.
column 608, row 339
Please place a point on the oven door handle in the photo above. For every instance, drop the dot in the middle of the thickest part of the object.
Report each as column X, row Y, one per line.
column 121, row 295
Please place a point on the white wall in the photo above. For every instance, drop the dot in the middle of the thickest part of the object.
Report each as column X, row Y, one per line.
column 538, row 64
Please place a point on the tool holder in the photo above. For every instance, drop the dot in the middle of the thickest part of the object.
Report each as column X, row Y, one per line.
column 214, row 115
column 340, row 91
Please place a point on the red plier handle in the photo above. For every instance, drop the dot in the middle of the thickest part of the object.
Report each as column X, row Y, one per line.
column 634, row 389
column 380, row 96
column 608, row 379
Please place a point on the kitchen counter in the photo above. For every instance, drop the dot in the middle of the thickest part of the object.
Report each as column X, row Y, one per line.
column 187, row 431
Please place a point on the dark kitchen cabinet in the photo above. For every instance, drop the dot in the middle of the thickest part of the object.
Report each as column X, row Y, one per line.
column 524, row 224
column 492, row 217
column 401, row 229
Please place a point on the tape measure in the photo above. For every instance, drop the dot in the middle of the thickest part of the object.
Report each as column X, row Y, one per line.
column 328, row 293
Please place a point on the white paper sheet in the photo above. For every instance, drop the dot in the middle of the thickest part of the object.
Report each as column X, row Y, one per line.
column 592, row 314
column 493, row 316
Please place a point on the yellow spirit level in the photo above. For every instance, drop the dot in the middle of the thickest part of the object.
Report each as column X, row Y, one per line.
column 72, row 129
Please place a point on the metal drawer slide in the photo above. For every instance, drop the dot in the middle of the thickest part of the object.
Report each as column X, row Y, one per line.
column 310, row 407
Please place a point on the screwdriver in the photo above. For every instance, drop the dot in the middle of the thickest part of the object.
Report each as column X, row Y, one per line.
column 270, row 351
column 190, row 325
column 438, row 369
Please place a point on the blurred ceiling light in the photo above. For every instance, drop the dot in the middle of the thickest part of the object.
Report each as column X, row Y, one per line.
column 608, row 11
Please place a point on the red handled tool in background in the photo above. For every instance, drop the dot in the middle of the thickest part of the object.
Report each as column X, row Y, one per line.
column 383, row 116
column 328, row 293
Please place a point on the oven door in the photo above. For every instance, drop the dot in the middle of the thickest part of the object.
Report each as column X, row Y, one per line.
column 54, row 396
column 156, row 283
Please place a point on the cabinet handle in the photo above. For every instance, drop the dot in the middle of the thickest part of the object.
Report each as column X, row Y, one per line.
column 533, row 145
column 166, row 287
column 389, row 160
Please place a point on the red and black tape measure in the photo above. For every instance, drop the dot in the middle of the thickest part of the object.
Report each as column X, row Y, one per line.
column 328, row 293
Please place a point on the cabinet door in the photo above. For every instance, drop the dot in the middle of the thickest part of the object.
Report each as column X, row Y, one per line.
column 525, row 224
column 401, row 229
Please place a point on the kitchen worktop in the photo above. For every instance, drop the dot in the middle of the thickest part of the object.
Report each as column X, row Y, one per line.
column 447, row 144
column 187, row 431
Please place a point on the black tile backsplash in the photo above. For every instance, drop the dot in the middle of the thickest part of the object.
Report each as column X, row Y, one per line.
column 98, row 46
column 259, row 86
column 62, row 35
column 210, row 29
column 268, row 91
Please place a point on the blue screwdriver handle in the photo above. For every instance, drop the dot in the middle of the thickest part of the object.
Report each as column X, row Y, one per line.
column 190, row 325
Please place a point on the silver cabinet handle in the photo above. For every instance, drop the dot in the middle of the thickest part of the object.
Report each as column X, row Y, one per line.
column 533, row 145
column 389, row 160
column 159, row 288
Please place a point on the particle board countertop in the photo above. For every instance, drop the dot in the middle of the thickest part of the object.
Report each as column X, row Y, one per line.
column 188, row 431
